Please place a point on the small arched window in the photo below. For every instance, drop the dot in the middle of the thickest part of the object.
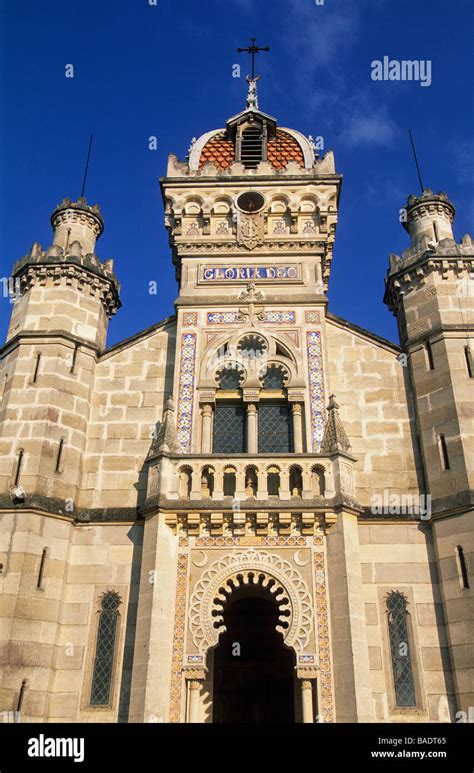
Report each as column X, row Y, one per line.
column 273, row 481
column 251, row 482
column 230, row 378
column 105, row 649
column 318, row 482
column 230, row 482
column 274, row 378
column 296, row 482
column 400, row 649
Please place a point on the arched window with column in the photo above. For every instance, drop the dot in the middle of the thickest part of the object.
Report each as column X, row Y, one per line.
column 275, row 428
column 105, row 650
column 229, row 436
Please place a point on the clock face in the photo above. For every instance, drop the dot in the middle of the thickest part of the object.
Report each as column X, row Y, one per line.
column 251, row 201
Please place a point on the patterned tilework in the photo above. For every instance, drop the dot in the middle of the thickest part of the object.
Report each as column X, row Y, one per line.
column 232, row 317
column 312, row 317
column 219, row 542
column 222, row 317
column 190, row 318
column 316, row 388
column 281, row 149
column 186, row 391
column 325, row 671
column 178, row 640
column 277, row 317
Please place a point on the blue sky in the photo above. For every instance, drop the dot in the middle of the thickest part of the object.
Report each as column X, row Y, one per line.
column 165, row 70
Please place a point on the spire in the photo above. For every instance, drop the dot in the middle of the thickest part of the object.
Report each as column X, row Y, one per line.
column 252, row 96
column 166, row 441
column 335, row 438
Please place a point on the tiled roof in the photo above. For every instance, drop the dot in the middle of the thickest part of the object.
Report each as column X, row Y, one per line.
column 219, row 151
column 283, row 148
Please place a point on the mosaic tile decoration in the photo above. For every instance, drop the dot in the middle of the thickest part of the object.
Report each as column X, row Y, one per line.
column 277, row 317
column 312, row 317
column 322, row 631
column 316, row 388
column 190, row 318
column 222, row 317
column 233, row 317
column 186, row 391
column 178, row 639
column 218, row 542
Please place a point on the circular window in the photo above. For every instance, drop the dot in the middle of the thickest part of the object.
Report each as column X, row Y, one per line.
column 250, row 201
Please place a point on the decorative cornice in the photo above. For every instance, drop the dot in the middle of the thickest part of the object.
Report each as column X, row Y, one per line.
column 409, row 271
column 40, row 266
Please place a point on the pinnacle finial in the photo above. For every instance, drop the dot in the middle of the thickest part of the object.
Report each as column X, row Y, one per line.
column 335, row 438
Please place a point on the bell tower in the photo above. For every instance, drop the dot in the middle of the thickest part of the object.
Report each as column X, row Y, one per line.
column 255, row 457
column 251, row 215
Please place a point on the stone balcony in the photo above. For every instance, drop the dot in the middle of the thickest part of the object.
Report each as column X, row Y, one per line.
column 250, row 481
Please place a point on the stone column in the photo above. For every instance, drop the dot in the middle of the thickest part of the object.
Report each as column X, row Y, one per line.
column 206, row 435
column 297, row 428
column 194, row 700
column 307, row 700
column 251, row 428
column 194, row 680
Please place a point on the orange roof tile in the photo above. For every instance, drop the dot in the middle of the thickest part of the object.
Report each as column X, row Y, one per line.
column 281, row 149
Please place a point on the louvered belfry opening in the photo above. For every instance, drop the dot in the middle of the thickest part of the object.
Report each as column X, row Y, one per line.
column 252, row 147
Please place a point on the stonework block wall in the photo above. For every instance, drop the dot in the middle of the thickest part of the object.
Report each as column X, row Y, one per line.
column 370, row 387
column 36, row 414
column 48, row 633
column 451, row 533
column 130, row 388
column 401, row 556
column 69, row 307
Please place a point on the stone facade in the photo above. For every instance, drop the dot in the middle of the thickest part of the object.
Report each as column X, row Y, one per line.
column 112, row 493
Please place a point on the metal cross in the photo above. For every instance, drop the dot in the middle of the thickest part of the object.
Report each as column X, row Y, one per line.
column 253, row 49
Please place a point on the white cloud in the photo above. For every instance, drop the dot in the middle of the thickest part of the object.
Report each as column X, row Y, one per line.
column 320, row 39
column 374, row 129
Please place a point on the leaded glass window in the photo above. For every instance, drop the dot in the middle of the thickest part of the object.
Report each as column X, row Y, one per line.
column 274, row 378
column 230, row 378
column 274, row 429
column 229, row 429
column 105, row 649
column 400, row 649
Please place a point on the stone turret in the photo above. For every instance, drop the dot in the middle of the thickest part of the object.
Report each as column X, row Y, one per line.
column 429, row 218
column 66, row 287
column 77, row 221
column 64, row 297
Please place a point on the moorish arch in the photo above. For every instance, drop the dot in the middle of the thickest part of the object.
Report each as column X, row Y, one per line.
column 250, row 568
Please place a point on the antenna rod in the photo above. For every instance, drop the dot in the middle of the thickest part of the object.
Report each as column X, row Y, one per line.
column 416, row 161
column 87, row 166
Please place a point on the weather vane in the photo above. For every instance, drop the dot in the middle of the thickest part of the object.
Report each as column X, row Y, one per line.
column 253, row 49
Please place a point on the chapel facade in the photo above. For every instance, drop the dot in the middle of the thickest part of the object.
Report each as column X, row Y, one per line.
column 255, row 510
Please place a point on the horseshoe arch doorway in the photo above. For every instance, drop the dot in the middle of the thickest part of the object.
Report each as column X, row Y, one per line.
column 253, row 671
